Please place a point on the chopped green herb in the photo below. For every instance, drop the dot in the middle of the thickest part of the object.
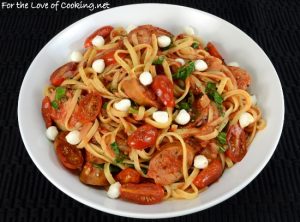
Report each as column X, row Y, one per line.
column 158, row 61
column 195, row 45
column 112, row 168
column 145, row 170
column 222, row 149
column 213, row 94
column 184, row 71
column 191, row 98
column 119, row 156
column 184, row 105
column 206, row 49
column 105, row 105
column 222, row 138
column 54, row 104
column 60, row 92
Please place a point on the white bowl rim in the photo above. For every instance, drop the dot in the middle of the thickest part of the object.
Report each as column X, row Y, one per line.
column 211, row 203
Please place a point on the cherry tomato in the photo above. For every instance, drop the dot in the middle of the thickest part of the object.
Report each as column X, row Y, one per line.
column 209, row 175
column 68, row 154
column 243, row 79
column 109, row 58
column 144, row 193
column 89, row 107
column 144, row 137
column 128, row 175
column 163, row 88
column 104, row 32
column 236, row 140
column 213, row 51
column 92, row 175
column 62, row 73
column 46, row 111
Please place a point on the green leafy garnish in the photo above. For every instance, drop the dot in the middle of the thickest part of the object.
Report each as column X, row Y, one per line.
column 222, row 149
column 105, row 105
column 54, row 104
column 195, row 45
column 132, row 110
column 112, row 168
column 222, row 138
column 158, row 61
column 60, row 92
column 191, row 98
column 184, row 71
column 213, row 94
column 184, row 105
column 119, row 155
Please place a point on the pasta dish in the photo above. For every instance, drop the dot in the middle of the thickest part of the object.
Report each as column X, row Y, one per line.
column 149, row 115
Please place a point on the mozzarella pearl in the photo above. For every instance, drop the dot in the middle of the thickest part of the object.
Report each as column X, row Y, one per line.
column 233, row 64
column 200, row 162
column 200, row 65
column 189, row 30
column 163, row 41
column 253, row 100
column 146, row 78
column 51, row 133
column 73, row 137
column 160, row 116
column 130, row 28
column 114, row 190
column 122, row 105
column 98, row 65
column 180, row 60
column 246, row 119
column 98, row 41
column 183, row 117
column 76, row 56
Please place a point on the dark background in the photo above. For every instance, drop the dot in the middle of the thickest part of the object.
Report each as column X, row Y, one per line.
column 26, row 195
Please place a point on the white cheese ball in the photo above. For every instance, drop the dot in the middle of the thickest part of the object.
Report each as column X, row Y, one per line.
column 233, row 64
column 180, row 60
column 163, row 41
column 76, row 56
column 73, row 137
column 160, row 116
column 200, row 162
column 189, row 30
column 200, row 65
column 146, row 78
column 51, row 133
column 114, row 190
column 246, row 119
column 123, row 105
column 98, row 41
column 183, row 117
column 98, row 65
column 130, row 28
column 253, row 100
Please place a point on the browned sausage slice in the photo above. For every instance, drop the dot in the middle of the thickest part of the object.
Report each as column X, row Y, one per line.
column 139, row 94
column 166, row 166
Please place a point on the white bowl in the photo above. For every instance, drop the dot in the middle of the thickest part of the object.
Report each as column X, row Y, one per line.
column 234, row 45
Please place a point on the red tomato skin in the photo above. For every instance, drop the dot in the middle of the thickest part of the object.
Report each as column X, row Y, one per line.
column 209, row 175
column 62, row 73
column 89, row 107
column 144, row 193
column 236, row 140
column 46, row 111
column 104, row 32
column 163, row 88
column 109, row 58
column 68, row 154
column 145, row 136
column 213, row 51
column 128, row 175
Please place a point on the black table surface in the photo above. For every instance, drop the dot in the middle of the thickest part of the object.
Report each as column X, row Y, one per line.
column 274, row 195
